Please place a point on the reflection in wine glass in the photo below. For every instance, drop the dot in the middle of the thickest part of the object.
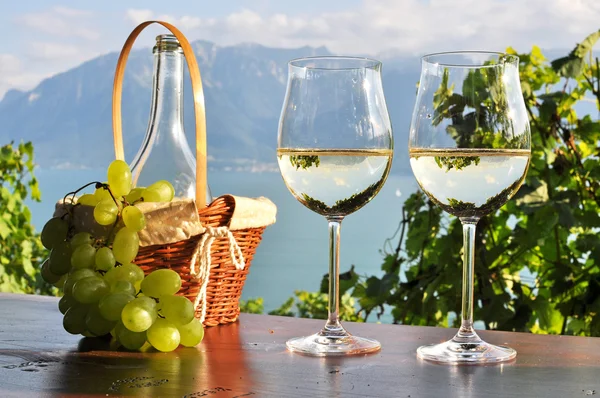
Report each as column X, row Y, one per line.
column 469, row 150
column 334, row 151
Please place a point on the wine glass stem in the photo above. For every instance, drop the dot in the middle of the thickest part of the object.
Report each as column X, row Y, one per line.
column 469, row 225
column 333, row 323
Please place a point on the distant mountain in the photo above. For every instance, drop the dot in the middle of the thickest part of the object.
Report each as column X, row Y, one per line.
column 68, row 116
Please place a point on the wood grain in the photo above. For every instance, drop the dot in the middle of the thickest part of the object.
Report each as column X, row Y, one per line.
column 248, row 359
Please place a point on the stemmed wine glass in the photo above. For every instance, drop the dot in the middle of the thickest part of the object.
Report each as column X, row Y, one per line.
column 334, row 151
column 469, row 150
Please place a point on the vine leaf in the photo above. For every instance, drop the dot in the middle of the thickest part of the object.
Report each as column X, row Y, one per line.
column 348, row 280
column 572, row 65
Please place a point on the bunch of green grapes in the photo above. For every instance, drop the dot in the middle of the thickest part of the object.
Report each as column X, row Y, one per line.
column 104, row 291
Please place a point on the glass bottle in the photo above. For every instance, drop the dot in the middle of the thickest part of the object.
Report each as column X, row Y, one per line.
column 165, row 153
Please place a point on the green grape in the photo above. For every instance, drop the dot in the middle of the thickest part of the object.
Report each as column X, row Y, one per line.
column 47, row 275
column 74, row 319
column 160, row 191
column 102, row 194
column 81, row 238
column 134, row 195
column 97, row 324
column 123, row 287
column 88, row 200
column 104, row 259
column 90, row 290
column 151, row 195
column 139, row 314
column 54, row 232
column 112, row 305
column 177, row 309
column 128, row 339
column 114, row 331
column 127, row 272
column 105, row 212
column 119, row 178
column 163, row 335
column 166, row 190
column 83, row 256
column 126, row 245
column 137, row 286
column 134, row 272
column 118, row 274
column 61, row 282
column 75, row 276
column 111, row 276
column 60, row 258
column 162, row 282
column 133, row 218
column 67, row 301
column 191, row 334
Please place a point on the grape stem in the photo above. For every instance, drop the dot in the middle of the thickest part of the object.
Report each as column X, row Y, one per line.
column 70, row 210
column 97, row 183
column 112, row 230
column 105, row 186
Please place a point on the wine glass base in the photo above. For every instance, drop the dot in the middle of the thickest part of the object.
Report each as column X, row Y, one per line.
column 320, row 345
column 461, row 352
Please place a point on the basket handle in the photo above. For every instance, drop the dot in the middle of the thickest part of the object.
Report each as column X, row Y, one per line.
column 198, row 94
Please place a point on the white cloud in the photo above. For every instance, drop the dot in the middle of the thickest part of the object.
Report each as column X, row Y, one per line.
column 61, row 22
column 12, row 74
column 56, row 51
column 138, row 16
column 71, row 12
column 58, row 38
column 9, row 64
column 406, row 26
column 186, row 22
column 53, row 40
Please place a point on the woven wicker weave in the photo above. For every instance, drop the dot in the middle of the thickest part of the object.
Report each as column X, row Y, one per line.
column 225, row 281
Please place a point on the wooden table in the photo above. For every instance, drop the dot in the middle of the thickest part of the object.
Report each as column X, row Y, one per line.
column 248, row 359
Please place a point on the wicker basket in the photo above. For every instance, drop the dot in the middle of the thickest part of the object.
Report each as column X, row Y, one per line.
column 230, row 252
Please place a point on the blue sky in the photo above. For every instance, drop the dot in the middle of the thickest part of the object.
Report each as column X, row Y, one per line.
column 43, row 37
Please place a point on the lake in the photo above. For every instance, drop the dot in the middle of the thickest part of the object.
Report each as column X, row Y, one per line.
column 293, row 254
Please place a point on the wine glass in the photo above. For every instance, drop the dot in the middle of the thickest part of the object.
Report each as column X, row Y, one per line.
column 469, row 149
column 334, row 151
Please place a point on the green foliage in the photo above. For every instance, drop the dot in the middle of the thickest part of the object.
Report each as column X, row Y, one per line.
column 252, row 306
column 548, row 231
column 456, row 162
column 344, row 206
column 538, row 257
column 305, row 161
column 21, row 251
column 314, row 305
column 477, row 116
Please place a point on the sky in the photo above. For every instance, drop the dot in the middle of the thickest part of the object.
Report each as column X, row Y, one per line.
column 41, row 37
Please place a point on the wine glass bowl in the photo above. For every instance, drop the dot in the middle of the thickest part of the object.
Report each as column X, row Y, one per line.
column 334, row 151
column 469, row 148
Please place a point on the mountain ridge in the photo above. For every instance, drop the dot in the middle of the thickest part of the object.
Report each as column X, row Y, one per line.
column 68, row 116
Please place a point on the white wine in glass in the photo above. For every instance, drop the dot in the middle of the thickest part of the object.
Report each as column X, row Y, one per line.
column 334, row 152
column 469, row 149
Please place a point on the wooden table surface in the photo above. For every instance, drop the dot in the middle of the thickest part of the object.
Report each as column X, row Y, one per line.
column 248, row 359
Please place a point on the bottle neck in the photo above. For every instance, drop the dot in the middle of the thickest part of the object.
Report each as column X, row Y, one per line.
column 167, row 101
